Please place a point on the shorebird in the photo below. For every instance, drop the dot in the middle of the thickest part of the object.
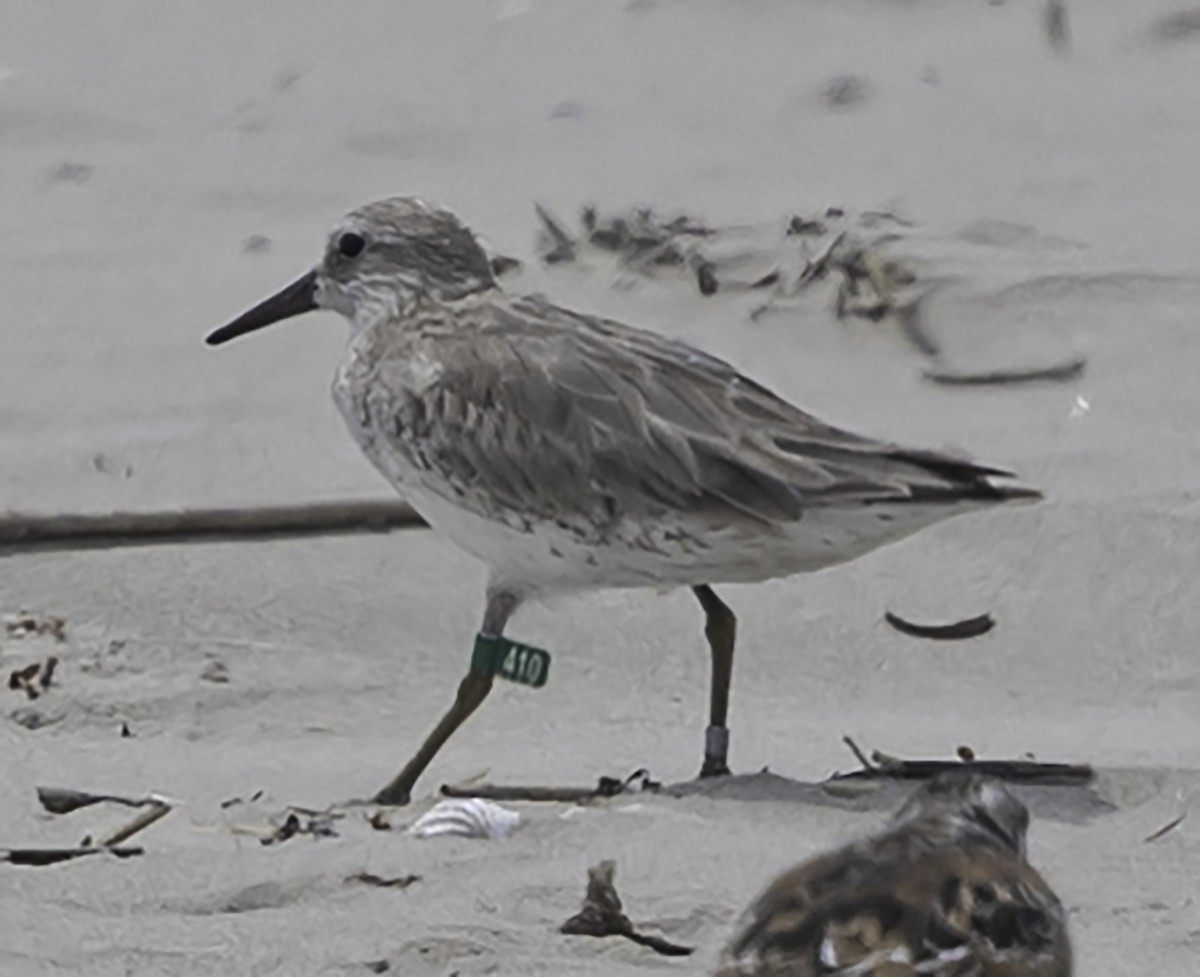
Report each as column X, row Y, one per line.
column 570, row 452
column 945, row 890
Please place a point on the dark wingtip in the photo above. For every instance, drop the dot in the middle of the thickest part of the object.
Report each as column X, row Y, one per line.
column 1018, row 493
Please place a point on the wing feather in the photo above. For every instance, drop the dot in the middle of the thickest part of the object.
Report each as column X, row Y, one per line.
column 535, row 407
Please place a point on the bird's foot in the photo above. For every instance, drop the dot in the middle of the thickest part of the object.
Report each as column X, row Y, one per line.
column 393, row 796
column 714, row 766
column 716, row 749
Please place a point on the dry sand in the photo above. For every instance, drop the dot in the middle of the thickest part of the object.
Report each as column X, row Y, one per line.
column 145, row 143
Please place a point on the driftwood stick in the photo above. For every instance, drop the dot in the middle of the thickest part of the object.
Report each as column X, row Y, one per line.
column 605, row 787
column 1023, row 771
column 501, row 792
column 859, row 755
column 19, row 531
column 52, row 856
column 153, row 812
column 1058, row 372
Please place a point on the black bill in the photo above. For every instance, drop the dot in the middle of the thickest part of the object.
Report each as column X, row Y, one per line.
column 295, row 299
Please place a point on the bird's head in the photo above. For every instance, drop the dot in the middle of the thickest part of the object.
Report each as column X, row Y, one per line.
column 968, row 804
column 378, row 259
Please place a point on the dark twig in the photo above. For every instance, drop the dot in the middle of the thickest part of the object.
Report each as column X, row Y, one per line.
column 1166, row 828
column 22, row 531
column 24, row 624
column 500, row 792
column 1058, row 372
column 859, row 755
column 562, row 246
column 605, row 787
column 52, row 856
column 971, row 627
column 369, row 878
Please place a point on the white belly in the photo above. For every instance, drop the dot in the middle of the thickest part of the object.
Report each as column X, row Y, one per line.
column 549, row 559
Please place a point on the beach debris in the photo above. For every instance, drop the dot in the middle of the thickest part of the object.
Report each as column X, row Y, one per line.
column 369, row 878
column 555, row 245
column 216, row 671
column 61, row 800
column 22, row 531
column 33, row 679
column 603, row 915
column 965, row 753
column 57, row 800
column 126, row 733
column 299, row 821
column 471, row 817
column 235, row 801
column 971, row 627
column 24, row 624
column 882, row 766
column 155, row 810
column 780, row 259
column 1166, row 828
column 639, row 780
column 1067, row 370
column 40, row 857
column 380, row 821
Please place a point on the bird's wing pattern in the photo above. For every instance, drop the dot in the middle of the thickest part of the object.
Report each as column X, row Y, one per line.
column 981, row 913
column 532, row 403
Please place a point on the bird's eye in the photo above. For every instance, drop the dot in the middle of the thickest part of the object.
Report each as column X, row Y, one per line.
column 350, row 245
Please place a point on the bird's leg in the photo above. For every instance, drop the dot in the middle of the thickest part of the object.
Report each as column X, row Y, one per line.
column 720, row 627
column 471, row 692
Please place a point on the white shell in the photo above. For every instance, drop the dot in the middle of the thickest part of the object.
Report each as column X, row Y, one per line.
column 469, row 817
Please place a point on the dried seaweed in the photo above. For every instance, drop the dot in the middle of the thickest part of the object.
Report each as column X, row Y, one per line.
column 603, row 915
column 971, row 627
column 369, row 878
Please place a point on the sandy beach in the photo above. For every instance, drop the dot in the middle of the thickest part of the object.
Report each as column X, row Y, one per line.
column 166, row 166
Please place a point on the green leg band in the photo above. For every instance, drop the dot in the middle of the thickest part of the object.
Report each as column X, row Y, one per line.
column 510, row 660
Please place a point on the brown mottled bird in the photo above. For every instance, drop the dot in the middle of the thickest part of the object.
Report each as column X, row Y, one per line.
column 571, row 453
column 944, row 891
